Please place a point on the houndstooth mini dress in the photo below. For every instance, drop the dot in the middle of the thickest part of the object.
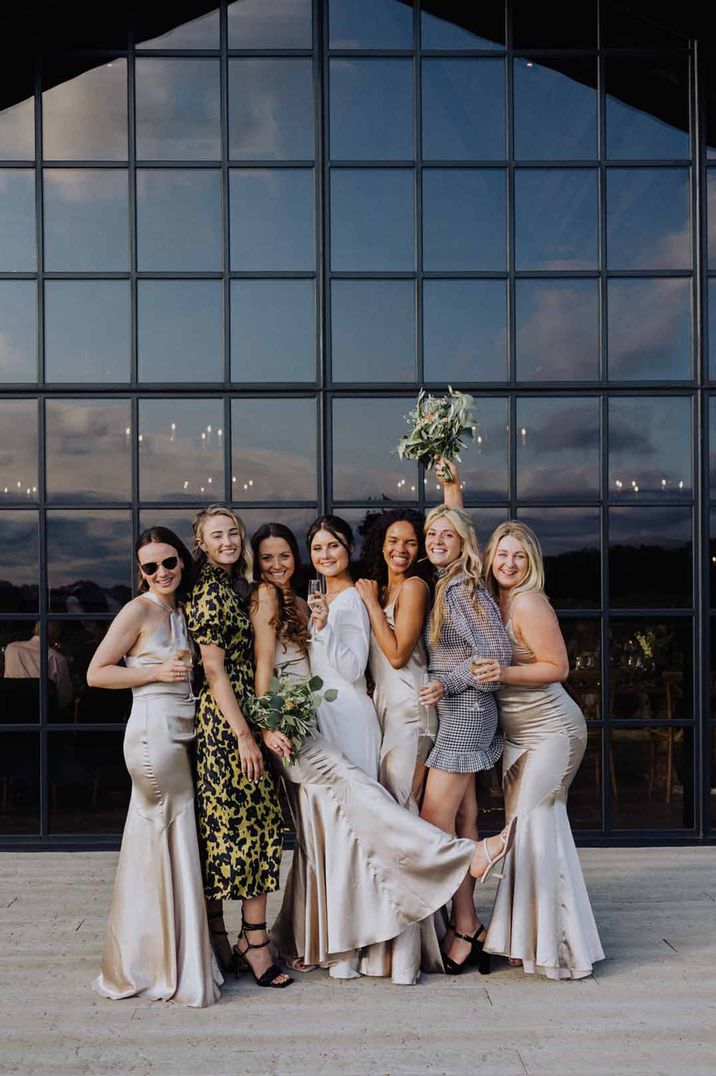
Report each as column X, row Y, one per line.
column 468, row 738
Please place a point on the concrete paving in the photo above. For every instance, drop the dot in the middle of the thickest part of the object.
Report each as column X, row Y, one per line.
column 650, row 1007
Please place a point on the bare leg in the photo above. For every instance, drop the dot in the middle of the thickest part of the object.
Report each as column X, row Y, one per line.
column 253, row 910
column 217, row 931
column 463, row 902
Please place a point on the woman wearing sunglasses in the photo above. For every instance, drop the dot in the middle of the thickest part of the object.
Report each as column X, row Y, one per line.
column 157, row 943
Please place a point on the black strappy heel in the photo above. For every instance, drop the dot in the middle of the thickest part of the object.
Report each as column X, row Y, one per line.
column 477, row 954
column 232, row 963
column 272, row 973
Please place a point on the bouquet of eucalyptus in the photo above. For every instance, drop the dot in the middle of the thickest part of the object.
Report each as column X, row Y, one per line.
column 440, row 425
column 290, row 706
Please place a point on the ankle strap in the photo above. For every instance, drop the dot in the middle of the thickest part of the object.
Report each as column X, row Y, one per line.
column 252, row 926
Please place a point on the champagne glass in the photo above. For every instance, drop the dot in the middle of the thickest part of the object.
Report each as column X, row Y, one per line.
column 184, row 656
column 424, row 681
column 316, row 587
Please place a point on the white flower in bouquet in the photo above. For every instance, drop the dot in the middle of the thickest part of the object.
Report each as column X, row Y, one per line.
column 440, row 425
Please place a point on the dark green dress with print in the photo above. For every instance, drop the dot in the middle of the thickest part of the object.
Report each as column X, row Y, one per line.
column 239, row 821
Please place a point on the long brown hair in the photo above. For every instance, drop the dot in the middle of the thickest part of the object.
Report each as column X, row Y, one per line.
column 468, row 563
column 288, row 622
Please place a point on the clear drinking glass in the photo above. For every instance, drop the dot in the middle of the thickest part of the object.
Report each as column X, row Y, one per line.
column 185, row 657
column 316, row 587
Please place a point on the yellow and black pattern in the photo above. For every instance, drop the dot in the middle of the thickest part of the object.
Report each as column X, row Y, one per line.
column 239, row 821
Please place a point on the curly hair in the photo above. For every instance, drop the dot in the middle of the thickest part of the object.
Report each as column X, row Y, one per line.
column 374, row 528
column 288, row 622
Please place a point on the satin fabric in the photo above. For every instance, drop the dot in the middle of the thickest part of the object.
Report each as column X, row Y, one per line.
column 157, row 942
column 542, row 915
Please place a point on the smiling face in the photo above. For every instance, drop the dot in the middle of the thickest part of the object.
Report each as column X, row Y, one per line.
column 511, row 563
column 221, row 541
column 400, row 547
column 163, row 581
column 329, row 556
column 442, row 543
column 276, row 561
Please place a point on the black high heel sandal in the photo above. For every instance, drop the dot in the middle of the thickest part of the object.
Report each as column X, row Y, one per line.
column 272, row 973
column 232, row 963
column 477, row 954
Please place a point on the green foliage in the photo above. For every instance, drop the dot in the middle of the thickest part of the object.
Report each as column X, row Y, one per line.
column 440, row 425
column 290, row 706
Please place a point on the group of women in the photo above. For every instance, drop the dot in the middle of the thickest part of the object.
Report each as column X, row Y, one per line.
column 383, row 794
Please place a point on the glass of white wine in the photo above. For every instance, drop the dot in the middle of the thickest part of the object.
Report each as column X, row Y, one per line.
column 316, row 587
column 184, row 656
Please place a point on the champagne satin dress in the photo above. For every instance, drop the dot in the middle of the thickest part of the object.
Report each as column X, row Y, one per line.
column 157, row 943
column 542, row 915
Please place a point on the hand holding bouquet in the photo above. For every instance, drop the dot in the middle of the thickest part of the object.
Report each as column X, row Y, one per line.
column 290, row 706
column 439, row 427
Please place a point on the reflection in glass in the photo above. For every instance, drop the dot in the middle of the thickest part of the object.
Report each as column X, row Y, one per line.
column 712, row 449
column 18, row 562
column 624, row 28
column 712, row 783
column 89, row 783
column 464, row 219
column 648, row 218
column 450, row 24
column 178, row 219
column 178, row 109
column 17, row 118
column 272, row 216
column 20, row 777
column 273, row 330
column 180, row 330
column 650, row 447
column 554, row 25
column 585, row 794
column 371, row 110
column 274, row 447
column 86, row 330
column 556, row 218
column 20, row 656
column 18, row 460
column 712, row 582
column 372, row 224
column 373, row 330
column 555, row 110
column 650, row 668
column 711, row 216
column 76, row 642
column 652, row 778
column 88, row 450
column 199, row 33
column 270, row 24
column 181, row 450
column 557, row 447
column 371, row 24
column 365, row 468
column 711, row 300
column 88, row 560
column 650, row 558
column 484, row 469
column 649, row 329
column 86, row 219
column 647, row 102
column 557, row 326
column 178, row 520
column 463, row 109
column 570, row 540
column 271, row 109
column 18, row 331
column 464, row 330
column 584, row 645
column 17, row 220
column 84, row 115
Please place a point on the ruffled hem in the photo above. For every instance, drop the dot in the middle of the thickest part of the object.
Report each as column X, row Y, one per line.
column 463, row 761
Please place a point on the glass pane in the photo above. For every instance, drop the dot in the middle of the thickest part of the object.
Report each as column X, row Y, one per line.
column 86, row 219
column 557, row 447
column 371, row 108
column 650, row 668
column 18, row 459
column 274, row 445
column 271, row 110
column 465, row 330
column 179, row 219
column 370, row 24
column 649, row 329
column 181, row 450
column 89, row 783
column 76, row 642
column 583, row 641
column 463, row 110
column 180, row 330
column 647, row 107
column 585, row 795
column 451, row 24
column 86, row 330
column 20, row 780
column 372, row 218
column 623, row 28
column 273, row 330
column 650, row 447
column 557, row 323
column 20, row 672
column 712, row 581
column 18, row 562
column 17, row 220
column 88, row 561
column 155, row 30
column 711, row 216
column 365, row 466
column 270, row 24
column 648, row 218
column 712, row 783
column 483, row 470
column 17, row 116
column 18, row 335
column 272, row 219
column 298, row 519
column 179, row 520
column 373, row 330
column 711, row 327
column 712, row 447
column 554, row 24
column 652, row 778
column 88, row 450
column 556, row 218
column 464, row 219
column 650, row 558
column 178, row 109
column 570, row 540
column 555, row 110
column 84, row 113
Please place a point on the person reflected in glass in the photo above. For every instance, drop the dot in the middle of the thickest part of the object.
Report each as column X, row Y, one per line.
column 157, row 944
column 240, row 820
column 22, row 662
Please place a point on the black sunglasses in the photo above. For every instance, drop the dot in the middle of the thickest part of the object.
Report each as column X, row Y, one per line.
column 151, row 567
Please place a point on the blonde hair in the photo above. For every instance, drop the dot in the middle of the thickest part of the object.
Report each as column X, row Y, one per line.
column 534, row 580
column 469, row 563
column 244, row 567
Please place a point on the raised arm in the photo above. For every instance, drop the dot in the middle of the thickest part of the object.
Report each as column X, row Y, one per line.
column 535, row 623
column 482, row 631
column 347, row 640
column 398, row 644
column 104, row 669
column 452, row 491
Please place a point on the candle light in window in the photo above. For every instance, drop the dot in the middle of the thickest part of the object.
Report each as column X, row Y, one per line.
column 636, row 488
column 523, row 435
column 412, row 489
column 219, row 432
column 127, row 434
column 209, row 481
column 618, row 483
column 141, row 438
column 633, row 484
column 233, row 479
column 19, row 485
column 203, row 438
column 663, row 483
column 201, row 488
column 186, row 485
column 681, row 484
column 174, row 432
column 251, row 481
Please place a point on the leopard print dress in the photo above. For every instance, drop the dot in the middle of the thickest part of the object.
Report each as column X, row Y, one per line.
column 239, row 821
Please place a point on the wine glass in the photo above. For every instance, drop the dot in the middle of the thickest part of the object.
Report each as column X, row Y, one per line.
column 184, row 656
column 316, row 587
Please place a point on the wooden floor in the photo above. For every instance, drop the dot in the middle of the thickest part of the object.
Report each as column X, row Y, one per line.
column 650, row 1008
